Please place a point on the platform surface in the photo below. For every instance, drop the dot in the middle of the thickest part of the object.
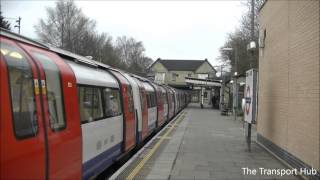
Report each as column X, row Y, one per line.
column 200, row 144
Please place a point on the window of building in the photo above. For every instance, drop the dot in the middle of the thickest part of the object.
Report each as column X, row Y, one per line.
column 53, row 91
column 203, row 76
column 189, row 75
column 160, row 78
column 21, row 85
column 173, row 76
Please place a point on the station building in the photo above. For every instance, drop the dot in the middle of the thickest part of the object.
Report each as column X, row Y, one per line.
column 194, row 75
column 288, row 109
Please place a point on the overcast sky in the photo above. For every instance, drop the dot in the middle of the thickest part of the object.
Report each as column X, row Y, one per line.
column 168, row 29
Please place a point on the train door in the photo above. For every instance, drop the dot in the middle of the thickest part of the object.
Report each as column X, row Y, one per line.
column 144, row 104
column 61, row 112
column 152, row 106
column 160, row 119
column 176, row 107
column 128, row 110
column 170, row 103
column 22, row 137
column 144, row 109
column 137, row 105
column 165, row 103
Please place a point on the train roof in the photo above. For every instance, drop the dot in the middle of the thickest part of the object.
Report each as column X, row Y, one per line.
column 93, row 76
column 59, row 51
column 147, row 86
column 73, row 56
column 21, row 38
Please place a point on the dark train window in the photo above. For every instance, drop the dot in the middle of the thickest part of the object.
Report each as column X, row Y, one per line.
column 112, row 102
column 53, row 91
column 142, row 99
column 165, row 98
column 130, row 98
column 160, row 97
column 148, row 100
column 90, row 99
column 23, row 104
column 153, row 99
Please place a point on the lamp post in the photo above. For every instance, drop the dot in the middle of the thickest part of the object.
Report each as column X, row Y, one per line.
column 235, row 86
column 222, row 81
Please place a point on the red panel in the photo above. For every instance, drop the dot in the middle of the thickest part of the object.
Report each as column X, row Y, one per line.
column 160, row 106
column 144, row 109
column 65, row 148
column 19, row 159
column 170, row 104
column 129, row 118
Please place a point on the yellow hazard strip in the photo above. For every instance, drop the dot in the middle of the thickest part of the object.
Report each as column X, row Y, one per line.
column 138, row 168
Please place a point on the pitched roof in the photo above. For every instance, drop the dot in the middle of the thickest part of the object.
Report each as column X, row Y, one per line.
column 181, row 65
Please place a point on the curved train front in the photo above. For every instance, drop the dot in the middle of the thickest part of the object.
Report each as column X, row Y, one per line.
column 63, row 116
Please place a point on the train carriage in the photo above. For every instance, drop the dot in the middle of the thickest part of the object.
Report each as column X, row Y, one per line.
column 100, row 116
column 159, row 102
column 64, row 116
column 137, row 105
column 170, row 102
column 42, row 112
column 176, row 101
column 130, row 124
column 164, row 97
column 144, row 108
column 152, row 106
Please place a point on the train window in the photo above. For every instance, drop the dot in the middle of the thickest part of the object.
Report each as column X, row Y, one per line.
column 23, row 105
column 141, row 99
column 130, row 98
column 160, row 97
column 53, row 91
column 90, row 103
column 153, row 99
column 148, row 100
column 112, row 102
column 97, row 111
column 172, row 97
column 165, row 98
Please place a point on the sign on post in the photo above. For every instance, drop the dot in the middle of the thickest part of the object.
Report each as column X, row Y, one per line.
column 250, row 93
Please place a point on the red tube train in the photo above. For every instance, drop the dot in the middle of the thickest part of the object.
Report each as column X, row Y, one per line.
column 64, row 116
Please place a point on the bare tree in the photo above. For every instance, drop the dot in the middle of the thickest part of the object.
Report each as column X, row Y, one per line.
column 131, row 54
column 65, row 26
column 240, row 38
column 3, row 23
column 68, row 28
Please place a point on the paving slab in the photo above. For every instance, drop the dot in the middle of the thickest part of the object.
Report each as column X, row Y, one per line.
column 206, row 145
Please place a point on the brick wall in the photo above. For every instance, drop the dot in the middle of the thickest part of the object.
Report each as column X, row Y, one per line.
column 288, row 112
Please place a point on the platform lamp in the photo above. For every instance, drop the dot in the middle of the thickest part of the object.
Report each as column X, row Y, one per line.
column 235, row 75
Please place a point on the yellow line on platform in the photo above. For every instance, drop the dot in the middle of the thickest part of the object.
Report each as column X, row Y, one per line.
column 138, row 168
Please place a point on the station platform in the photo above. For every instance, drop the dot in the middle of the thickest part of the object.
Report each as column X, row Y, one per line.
column 200, row 144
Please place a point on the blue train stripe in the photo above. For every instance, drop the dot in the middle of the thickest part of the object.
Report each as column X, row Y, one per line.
column 99, row 163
